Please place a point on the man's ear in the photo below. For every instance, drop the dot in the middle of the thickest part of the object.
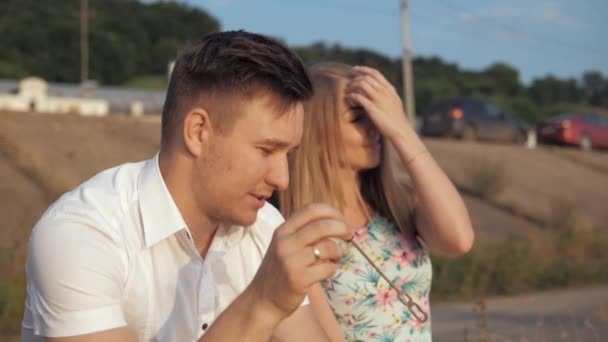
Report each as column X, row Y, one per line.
column 197, row 128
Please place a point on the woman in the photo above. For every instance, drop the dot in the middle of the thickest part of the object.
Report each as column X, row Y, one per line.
column 360, row 154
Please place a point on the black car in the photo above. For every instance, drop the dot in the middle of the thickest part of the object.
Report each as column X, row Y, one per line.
column 471, row 118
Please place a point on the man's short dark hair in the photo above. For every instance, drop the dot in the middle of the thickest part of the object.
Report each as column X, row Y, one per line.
column 233, row 63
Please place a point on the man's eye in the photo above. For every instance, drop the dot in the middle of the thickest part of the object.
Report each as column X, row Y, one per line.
column 292, row 153
column 266, row 151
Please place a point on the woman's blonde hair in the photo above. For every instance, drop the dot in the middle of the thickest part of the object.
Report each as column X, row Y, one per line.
column 312, row 168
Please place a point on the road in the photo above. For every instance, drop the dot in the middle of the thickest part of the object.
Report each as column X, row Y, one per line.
column 564, row 315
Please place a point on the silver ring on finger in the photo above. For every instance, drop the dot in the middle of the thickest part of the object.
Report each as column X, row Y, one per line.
column 317, row 252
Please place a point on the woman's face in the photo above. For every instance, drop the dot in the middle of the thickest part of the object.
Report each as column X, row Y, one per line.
column 361, row 140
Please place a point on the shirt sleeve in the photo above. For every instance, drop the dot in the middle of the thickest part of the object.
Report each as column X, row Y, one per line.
column 75, row 276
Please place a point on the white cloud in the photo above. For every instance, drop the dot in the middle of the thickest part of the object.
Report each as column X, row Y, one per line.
column 544, row 11
column 508, row 35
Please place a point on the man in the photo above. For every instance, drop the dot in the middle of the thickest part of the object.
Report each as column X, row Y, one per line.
column 182, row 247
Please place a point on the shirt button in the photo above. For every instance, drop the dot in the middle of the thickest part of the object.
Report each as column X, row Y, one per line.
column 205, row 325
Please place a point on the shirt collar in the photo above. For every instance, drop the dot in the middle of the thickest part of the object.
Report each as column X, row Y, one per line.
column 227, row 237
column 159, row 213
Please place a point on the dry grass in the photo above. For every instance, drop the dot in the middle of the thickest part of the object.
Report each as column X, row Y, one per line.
column 42, row 156
column 486, row 178
column 12, row 297
column 536, row 178
column 524, row 263
column 602, row 312
column 28, row 162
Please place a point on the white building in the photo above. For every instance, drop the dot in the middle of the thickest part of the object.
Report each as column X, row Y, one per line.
column 32, row 96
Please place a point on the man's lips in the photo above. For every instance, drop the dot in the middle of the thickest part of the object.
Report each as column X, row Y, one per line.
column 261, row 197
column 259, row 200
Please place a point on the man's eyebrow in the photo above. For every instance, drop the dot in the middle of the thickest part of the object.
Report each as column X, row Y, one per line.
column 274, row 142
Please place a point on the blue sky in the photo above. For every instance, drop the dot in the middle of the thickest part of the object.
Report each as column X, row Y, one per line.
column 538, row 37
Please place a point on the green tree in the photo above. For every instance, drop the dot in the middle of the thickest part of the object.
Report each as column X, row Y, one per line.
column 550, row 89
column 505, row 79
column 126, row 37
column 319, row 51
column 595, row 87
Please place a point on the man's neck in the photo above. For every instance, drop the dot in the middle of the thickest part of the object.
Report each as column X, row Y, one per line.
column 176, row 175
column 201, row 227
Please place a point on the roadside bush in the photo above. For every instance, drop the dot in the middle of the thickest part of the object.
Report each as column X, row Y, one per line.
column 485, row 178
column 12, row 299
column 519, row 264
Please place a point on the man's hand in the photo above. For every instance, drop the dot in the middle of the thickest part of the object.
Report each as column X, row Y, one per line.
column 300, row 254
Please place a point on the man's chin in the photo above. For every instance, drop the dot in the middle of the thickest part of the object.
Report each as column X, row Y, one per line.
column 244, row 220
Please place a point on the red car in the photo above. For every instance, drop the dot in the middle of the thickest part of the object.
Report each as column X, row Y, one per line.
column 585, row 130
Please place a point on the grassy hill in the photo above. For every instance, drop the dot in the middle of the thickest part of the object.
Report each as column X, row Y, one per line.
column 547, row 195
column 45, row 155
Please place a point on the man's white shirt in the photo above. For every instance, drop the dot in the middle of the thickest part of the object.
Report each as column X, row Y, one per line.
column 115, row 251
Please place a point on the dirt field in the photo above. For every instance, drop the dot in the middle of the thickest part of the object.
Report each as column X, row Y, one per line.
column 538, row 180
column 44, row 155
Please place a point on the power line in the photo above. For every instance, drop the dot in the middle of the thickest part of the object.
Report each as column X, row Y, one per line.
column 352, row 7
column 430, row 18
column 539, row 36
column 446, row 5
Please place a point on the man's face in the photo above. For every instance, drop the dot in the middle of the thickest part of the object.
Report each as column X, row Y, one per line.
column 247, row 163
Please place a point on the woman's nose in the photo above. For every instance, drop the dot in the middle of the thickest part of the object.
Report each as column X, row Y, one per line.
column 372, row 131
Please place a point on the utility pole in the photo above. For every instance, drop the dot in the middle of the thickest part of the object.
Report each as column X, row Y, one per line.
column 406, row 61
column 84, row 43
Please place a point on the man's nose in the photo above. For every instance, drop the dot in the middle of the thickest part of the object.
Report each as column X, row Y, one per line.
column 278, row 177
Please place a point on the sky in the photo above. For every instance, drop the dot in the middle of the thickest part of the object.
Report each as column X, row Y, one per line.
column 538, row 37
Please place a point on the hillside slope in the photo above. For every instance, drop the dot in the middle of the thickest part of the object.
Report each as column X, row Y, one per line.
column 42, row 156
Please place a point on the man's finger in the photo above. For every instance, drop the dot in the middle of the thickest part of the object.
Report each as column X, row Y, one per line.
column 327, row 250
column 306, row 215
column 320, row 229
column 321, row 271
column 324, row 250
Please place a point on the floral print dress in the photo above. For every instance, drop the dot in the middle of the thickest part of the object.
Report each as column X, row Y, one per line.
column 365, row 305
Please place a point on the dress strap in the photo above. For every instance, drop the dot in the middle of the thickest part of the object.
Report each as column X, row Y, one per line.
column 417, row 312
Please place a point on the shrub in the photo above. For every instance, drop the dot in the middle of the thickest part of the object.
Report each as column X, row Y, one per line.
column 485, row 178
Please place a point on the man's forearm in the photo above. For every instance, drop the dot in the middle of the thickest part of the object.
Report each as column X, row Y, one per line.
column 243, row 320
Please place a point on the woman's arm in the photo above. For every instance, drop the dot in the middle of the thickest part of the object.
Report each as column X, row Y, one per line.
column 442, row 219
column 324, row 314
